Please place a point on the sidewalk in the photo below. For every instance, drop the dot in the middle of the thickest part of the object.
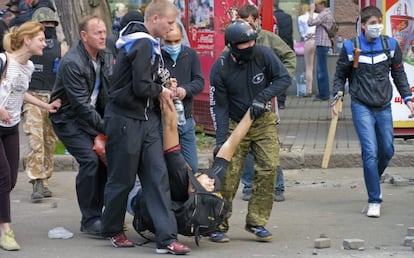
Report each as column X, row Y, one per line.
column 303, row 130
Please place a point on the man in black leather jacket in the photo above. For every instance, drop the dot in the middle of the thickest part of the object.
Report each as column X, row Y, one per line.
column 82, row 85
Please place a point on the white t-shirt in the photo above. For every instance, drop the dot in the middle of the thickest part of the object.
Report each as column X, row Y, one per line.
column 304, row 28
column 16, row 83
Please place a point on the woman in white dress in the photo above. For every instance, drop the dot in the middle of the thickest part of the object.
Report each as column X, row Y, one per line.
column 307, row 34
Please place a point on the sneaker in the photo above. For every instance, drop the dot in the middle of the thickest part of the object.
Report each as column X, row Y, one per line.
column 279, row 197
column 219, row 237
column 8, row 243
column 174, row 248
column 262, row 234
column 374, row 210
column 246, row 196
column 121, row 241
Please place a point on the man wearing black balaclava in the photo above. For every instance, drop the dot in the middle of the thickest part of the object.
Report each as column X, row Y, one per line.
column 248, row 77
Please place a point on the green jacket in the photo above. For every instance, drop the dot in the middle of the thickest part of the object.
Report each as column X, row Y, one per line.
column 280, row 48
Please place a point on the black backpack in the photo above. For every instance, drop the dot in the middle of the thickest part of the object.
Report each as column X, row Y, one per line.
column 202, row 213
column 198, row 216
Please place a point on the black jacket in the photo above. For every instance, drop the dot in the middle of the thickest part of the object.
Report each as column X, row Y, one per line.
column 369, row 84
column 74, row 85
column 233, row 91
column 188, row 72
column 284, row 24
column 135, row 86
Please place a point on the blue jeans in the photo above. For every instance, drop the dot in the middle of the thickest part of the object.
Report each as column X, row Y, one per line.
column 322, row 71
column 188, row 143
column 248, row 174
column 376, row 135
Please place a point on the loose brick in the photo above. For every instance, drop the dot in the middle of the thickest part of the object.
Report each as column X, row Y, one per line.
column 408, row 240
column 353, row 244
column 399, row 180
column 410, row 231
column 322, row 243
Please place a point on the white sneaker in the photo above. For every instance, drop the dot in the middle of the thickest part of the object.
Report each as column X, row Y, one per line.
column 374, row 210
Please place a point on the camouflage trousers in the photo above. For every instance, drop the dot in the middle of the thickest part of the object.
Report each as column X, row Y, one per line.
column 262, row 138
column 42, row 140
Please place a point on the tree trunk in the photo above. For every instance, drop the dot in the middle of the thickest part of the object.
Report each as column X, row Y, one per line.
column 71, row 12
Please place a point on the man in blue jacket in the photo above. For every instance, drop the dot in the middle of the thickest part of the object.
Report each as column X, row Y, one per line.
column 371, row 93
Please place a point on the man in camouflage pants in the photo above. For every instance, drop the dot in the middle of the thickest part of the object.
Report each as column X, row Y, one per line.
column 37, row 126
column 248, row 76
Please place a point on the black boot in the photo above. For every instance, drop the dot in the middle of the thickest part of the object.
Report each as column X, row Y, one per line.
column 37, row 194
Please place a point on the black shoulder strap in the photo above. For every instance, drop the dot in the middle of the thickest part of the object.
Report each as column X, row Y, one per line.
column 386, row 46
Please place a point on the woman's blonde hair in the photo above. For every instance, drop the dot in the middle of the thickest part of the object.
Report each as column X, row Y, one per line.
column 13, row 40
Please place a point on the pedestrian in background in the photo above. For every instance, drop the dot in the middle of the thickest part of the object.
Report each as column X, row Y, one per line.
column 371, row 95
column 20, row 44
column 323, row 43
column 250, row 13
column 134, row 145
column 307, row 34
column 37, row 126
column 239, row 82
column 285, row 32
column 82, row 84
column 5, row 20
column 183, row 64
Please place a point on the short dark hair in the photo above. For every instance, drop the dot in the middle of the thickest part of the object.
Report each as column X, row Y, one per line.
column 370, row 11
column 247, row 10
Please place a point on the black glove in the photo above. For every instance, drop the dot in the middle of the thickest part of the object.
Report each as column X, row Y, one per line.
column 216, row 149
column 257, row 109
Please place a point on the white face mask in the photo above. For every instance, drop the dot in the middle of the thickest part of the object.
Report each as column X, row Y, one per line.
column 374, row 30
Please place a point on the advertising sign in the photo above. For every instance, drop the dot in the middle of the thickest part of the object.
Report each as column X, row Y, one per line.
column 399, row 23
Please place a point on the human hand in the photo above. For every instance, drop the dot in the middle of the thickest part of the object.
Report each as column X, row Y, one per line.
column 99, row 147
column 257, row 109
column 312, row 8
column 181, row 93
column 165, row 95
column 4, row 115
column 54, row 106
column 410, row 105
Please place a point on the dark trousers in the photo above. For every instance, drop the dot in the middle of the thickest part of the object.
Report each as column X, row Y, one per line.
column 9, row 165
column 134, row 147
column 91, row 178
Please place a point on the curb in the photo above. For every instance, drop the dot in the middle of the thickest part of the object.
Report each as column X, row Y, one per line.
column 298, row 159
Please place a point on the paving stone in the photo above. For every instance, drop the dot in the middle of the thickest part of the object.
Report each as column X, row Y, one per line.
column 322, row 243
column 399, row 180
column 408, row 240
column 353, row 244
column 410, row 231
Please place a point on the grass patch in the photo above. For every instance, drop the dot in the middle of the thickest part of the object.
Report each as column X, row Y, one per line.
column 60, row 148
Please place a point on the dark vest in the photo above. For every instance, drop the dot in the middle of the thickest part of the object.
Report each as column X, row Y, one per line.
column 44, row 74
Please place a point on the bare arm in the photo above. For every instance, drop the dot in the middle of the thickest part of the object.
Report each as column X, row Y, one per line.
column 169, row 124
column 52, row 107
column 229, row 147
